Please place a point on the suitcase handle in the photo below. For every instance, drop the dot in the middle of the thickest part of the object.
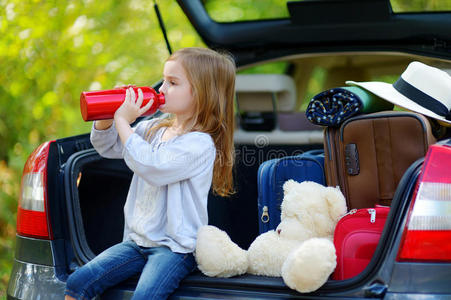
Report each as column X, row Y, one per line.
column 314, row 152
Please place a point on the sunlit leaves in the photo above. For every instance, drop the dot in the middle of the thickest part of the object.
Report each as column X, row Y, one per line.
column 420, row 5
column 51, row 51
column 243, row 10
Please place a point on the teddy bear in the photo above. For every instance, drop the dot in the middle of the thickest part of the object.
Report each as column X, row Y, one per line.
column 300, row 249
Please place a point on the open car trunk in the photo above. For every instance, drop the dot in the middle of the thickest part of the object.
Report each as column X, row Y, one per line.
column 99, row 186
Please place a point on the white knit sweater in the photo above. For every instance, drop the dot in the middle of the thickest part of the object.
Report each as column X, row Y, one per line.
column 167, row 199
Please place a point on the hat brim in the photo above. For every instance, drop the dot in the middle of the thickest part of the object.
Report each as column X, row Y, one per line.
column 388, row 92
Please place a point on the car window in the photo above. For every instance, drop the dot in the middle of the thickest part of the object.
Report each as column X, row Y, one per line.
column 404, row 6
column 244, row 10
column 280, row 67
column 314, row 74
column 249, row 10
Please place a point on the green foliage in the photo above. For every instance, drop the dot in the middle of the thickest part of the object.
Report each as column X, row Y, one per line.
column 51, row 51
column 399, row 6
column 279, row 67
column 239, row 10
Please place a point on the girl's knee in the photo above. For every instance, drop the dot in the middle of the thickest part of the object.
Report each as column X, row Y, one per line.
column 73, row 282
column 75, row 287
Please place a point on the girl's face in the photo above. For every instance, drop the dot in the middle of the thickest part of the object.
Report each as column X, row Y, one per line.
column 177, row 91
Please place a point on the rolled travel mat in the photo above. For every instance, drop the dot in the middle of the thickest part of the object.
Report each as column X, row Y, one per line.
column 332, row 107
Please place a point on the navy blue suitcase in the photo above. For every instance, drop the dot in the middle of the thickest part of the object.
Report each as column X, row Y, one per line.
column 273, row 173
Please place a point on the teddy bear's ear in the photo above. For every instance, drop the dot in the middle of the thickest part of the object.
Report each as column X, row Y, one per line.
column 288, row 185
column 336, row 202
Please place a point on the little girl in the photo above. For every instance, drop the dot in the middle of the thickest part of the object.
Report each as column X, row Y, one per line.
column 175, row 163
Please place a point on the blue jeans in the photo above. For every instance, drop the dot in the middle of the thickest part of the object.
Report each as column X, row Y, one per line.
column 161, row 271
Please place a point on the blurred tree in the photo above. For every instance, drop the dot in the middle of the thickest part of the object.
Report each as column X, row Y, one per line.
column 420, row 5
column 240, row 10
column 51, row 51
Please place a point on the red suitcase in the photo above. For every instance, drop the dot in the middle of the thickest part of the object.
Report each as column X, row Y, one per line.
column 356, row 237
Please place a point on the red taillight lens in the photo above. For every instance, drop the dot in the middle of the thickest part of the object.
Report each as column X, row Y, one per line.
column 32, row 211
column 427, row 235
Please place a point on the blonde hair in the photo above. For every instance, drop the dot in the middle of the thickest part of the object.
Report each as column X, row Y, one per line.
column 212, row 79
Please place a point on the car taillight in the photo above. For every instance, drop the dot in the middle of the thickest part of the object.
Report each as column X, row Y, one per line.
column 427, row 235
column 32, row 218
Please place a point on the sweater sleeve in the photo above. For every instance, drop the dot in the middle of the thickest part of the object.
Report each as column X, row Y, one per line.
column 108, row 143
column 181, row 159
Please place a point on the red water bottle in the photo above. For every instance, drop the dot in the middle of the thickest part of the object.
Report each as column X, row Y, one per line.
column 101, row 105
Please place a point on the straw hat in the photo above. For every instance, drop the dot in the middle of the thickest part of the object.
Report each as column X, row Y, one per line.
column 421, row 88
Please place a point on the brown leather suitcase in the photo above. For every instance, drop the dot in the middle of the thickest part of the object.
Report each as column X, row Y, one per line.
column 367, row 155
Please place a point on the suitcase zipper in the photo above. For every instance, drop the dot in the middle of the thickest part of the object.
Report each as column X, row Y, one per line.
column 265, row 215
column 372, row 212
column 351, row 212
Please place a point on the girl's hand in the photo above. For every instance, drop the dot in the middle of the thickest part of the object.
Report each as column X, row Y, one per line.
column 131, row 109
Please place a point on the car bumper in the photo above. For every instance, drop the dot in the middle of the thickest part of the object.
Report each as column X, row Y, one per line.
column 32, row 281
